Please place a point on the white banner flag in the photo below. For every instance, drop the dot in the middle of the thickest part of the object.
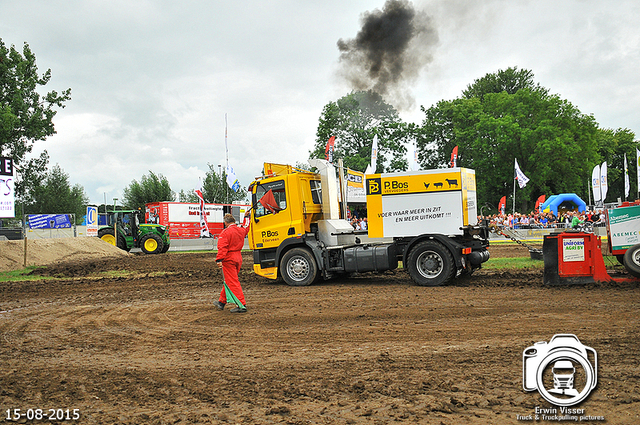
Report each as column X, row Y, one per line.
column 604, row 186
column 232, row 180
column 638, row 170
column 595, row 184
column 522, row 179
column 371, row 168
column 627, row 185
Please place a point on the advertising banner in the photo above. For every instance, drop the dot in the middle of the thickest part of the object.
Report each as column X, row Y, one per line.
column 92, row 221
column 7, row 196
column 624, row 227
column 355, row 186
column 183, row 219
column 431, row 201
column 49, row 221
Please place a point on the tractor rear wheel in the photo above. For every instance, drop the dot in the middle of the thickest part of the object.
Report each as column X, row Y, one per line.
column 108, row 236
column 151, row 244
column 632, row 260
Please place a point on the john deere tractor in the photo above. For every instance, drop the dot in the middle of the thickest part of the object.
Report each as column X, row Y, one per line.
column 133, row 233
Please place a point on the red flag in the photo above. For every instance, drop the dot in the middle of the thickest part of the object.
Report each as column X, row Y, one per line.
column 204, row 226
column 539, row 202
column 328, row 151
column 269, row 202
column 502, row 205
column 454, row 157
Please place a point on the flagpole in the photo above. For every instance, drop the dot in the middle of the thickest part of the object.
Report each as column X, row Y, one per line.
column 226, row 148
column 514, row 187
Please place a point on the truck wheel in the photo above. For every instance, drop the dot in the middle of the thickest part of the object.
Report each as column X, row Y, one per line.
column 632, row 260
column 107, row 235
column 430, row 264
column 298, row 267
column 151, row 244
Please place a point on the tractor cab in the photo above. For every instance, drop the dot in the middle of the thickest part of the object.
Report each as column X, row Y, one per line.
column 134, row 233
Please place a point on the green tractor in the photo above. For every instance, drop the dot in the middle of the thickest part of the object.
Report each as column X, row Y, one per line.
column 133, row 233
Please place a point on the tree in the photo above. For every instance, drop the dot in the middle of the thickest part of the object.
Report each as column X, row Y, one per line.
column 354, row 119
column 215, row 189
column 151, row 188
column 188, row 197
column 25, row 116
column 554, row 143
column 510, row 81
column 55, row 195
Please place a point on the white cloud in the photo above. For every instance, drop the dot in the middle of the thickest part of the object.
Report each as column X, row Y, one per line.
column 152, row 80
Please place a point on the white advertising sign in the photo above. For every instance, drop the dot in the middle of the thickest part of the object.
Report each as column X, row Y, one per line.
column 190, row 213
column 624, row 227
column 413, row 214
column 573, row 249
column 7, row 195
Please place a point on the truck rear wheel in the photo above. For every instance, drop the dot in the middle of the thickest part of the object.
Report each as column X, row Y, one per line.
column 632, row 260
column 430, row 264
column 298, row 267
column 151, row 244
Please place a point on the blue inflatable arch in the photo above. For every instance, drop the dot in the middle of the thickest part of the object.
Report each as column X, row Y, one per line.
column 569, row 200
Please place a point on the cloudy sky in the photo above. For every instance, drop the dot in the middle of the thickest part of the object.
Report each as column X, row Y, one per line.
column 152, row 80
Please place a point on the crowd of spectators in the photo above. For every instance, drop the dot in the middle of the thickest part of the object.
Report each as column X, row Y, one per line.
column 546, row 220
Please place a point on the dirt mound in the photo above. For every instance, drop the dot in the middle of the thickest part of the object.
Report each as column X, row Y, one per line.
column 42, row 252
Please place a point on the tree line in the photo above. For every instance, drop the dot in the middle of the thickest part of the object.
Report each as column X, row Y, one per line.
column 500, row 117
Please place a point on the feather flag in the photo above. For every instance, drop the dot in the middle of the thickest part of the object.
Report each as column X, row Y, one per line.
column 627, row 185
column 595, row 185
column 502, row 206
column 204, row 226
column 604, row 186
column 522, row 179
column 371, row 168
column 454, row 157
column 328, row 150
column 539, row 202
column 638, row 170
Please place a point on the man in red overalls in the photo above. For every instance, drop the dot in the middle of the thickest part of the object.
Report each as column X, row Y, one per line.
column 229, row 258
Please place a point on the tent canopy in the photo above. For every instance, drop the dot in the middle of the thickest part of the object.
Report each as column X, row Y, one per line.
column 566, row 200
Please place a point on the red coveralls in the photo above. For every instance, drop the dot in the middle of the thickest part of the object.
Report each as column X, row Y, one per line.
column 230, row 244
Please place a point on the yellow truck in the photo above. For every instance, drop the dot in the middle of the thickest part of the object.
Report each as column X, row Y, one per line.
column 425, row 219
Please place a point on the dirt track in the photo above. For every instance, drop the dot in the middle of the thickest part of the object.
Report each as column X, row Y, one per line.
column 144, row 345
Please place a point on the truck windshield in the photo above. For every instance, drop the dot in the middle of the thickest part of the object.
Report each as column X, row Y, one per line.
column 277, row 188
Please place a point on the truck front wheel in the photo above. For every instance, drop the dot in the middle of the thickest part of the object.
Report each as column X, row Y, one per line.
column 430, row 264
column 632, row 260
column 298, row 268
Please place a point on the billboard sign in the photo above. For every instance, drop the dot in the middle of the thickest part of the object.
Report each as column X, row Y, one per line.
column 7, row 195
column 49, row 221
column 92, row 221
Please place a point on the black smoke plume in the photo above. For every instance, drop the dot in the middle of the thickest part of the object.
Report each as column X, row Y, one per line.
column 388, row 53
